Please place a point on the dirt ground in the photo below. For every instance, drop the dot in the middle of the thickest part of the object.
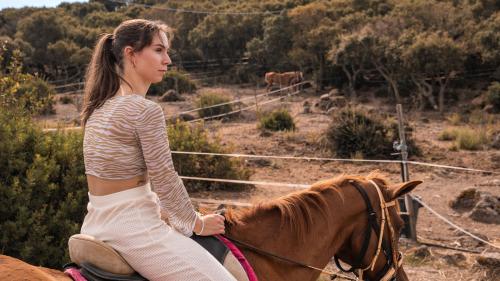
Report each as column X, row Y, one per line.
column 439, row 186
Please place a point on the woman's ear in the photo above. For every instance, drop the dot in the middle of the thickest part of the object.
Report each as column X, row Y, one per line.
column 129, row 54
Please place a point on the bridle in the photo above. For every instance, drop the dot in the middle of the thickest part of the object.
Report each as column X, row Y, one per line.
column 388, row 273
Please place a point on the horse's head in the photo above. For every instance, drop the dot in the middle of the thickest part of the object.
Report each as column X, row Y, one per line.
column 372, row 247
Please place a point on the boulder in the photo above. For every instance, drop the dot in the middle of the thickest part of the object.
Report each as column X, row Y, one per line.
column 456, row 259
column 327, row 101
column 307, row 107
column 421, row 252
column 487, row 210
column 495, row 141
column 489, row 260
column 480, row 206
column 171, row 95
column 466, row 200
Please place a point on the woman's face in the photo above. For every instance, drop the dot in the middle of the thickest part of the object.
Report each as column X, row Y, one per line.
column 151, row 62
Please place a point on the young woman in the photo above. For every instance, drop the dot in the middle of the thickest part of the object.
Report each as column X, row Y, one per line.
column 131, row 177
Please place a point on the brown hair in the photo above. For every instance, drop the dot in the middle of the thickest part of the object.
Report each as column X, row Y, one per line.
column 102, row 79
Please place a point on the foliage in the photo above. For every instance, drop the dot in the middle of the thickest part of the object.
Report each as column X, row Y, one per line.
column 42, row 178
column 353, row 132
column 173, row 80
column 448, row 134
column 278, row 120
column 207, row 102
column 183, row 137
column 471, row 139
column 494, row 95
column 24, row 92
column 336, row 42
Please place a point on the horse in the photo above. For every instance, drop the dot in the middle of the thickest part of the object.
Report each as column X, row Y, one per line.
column 333, row 218
column 283, row 79
column 354, row 219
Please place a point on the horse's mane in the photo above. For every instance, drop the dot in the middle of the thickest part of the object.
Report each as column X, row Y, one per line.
column 297, row 209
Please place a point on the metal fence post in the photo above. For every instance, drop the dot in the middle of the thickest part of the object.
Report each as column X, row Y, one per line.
column 409, row 210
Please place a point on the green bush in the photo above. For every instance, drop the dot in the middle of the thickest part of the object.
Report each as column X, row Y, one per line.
column 471, row 139
column 186, row 138
column 184, row 84
column 24, row 92
column 278, row 120
column 494, row 95
column 448, row 135
column 43, row 191
column 353, row 133
column 209, row 100
column 66, row 100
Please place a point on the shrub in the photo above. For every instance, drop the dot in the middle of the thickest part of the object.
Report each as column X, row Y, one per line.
column 66, row 100
column 454, row 119
column 494, row 95
column 353, row 133
column 209, row 100
column 184, row 84
column 24, row 92
column 43, row 191
column 471, row 139
column 448, row 135
column 185, row 138
column 278, row 120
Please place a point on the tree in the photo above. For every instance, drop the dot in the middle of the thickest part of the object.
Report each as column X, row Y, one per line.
column 350, row 54
column 224, row 36
column 270, row 52
column 39, row 30
column 433, row 57
column 486, row 40
column 383, row 43
column 314, row 32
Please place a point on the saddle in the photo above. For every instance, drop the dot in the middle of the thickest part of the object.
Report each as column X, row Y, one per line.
column 100, row 262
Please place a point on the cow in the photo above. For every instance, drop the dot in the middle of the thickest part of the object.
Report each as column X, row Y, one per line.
column 283, row 79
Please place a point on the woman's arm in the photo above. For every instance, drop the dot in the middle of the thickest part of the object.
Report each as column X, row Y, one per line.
column 174, row 199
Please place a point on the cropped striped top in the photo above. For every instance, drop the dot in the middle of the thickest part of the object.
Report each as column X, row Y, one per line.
column 126, row 137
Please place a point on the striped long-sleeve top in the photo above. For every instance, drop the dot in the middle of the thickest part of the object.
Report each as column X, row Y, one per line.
column 127, row 136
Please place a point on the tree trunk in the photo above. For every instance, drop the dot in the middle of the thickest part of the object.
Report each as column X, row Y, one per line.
column 321, row 71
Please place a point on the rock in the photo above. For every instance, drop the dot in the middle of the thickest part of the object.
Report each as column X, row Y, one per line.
column 182, row 117
column 455, row 259
column 479, row 101
column 259, row 162
column 489, row 109
column 421, row 252
column 489, row 260
column 466, row 200
column 307, row 107
column 495, row 141
column 335, row 92
column 487, row 210
column 327, row 101
column 171, row 95
column 495, row 160
column 266, row 133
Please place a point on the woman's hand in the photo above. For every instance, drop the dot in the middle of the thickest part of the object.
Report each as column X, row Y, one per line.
column 209, row 225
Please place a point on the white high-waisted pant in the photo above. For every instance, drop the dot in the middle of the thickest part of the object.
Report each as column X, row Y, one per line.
column 130, row 222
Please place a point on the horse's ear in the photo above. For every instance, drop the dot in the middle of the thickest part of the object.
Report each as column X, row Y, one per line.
column 399, row 189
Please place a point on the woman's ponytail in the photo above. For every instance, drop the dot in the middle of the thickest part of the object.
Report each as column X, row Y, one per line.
column 101, row 80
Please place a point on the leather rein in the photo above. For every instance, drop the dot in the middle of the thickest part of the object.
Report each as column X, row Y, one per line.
column 388, row 273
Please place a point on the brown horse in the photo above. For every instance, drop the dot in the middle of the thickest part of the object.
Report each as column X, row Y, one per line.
column 311, row 226
column 283, row 79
